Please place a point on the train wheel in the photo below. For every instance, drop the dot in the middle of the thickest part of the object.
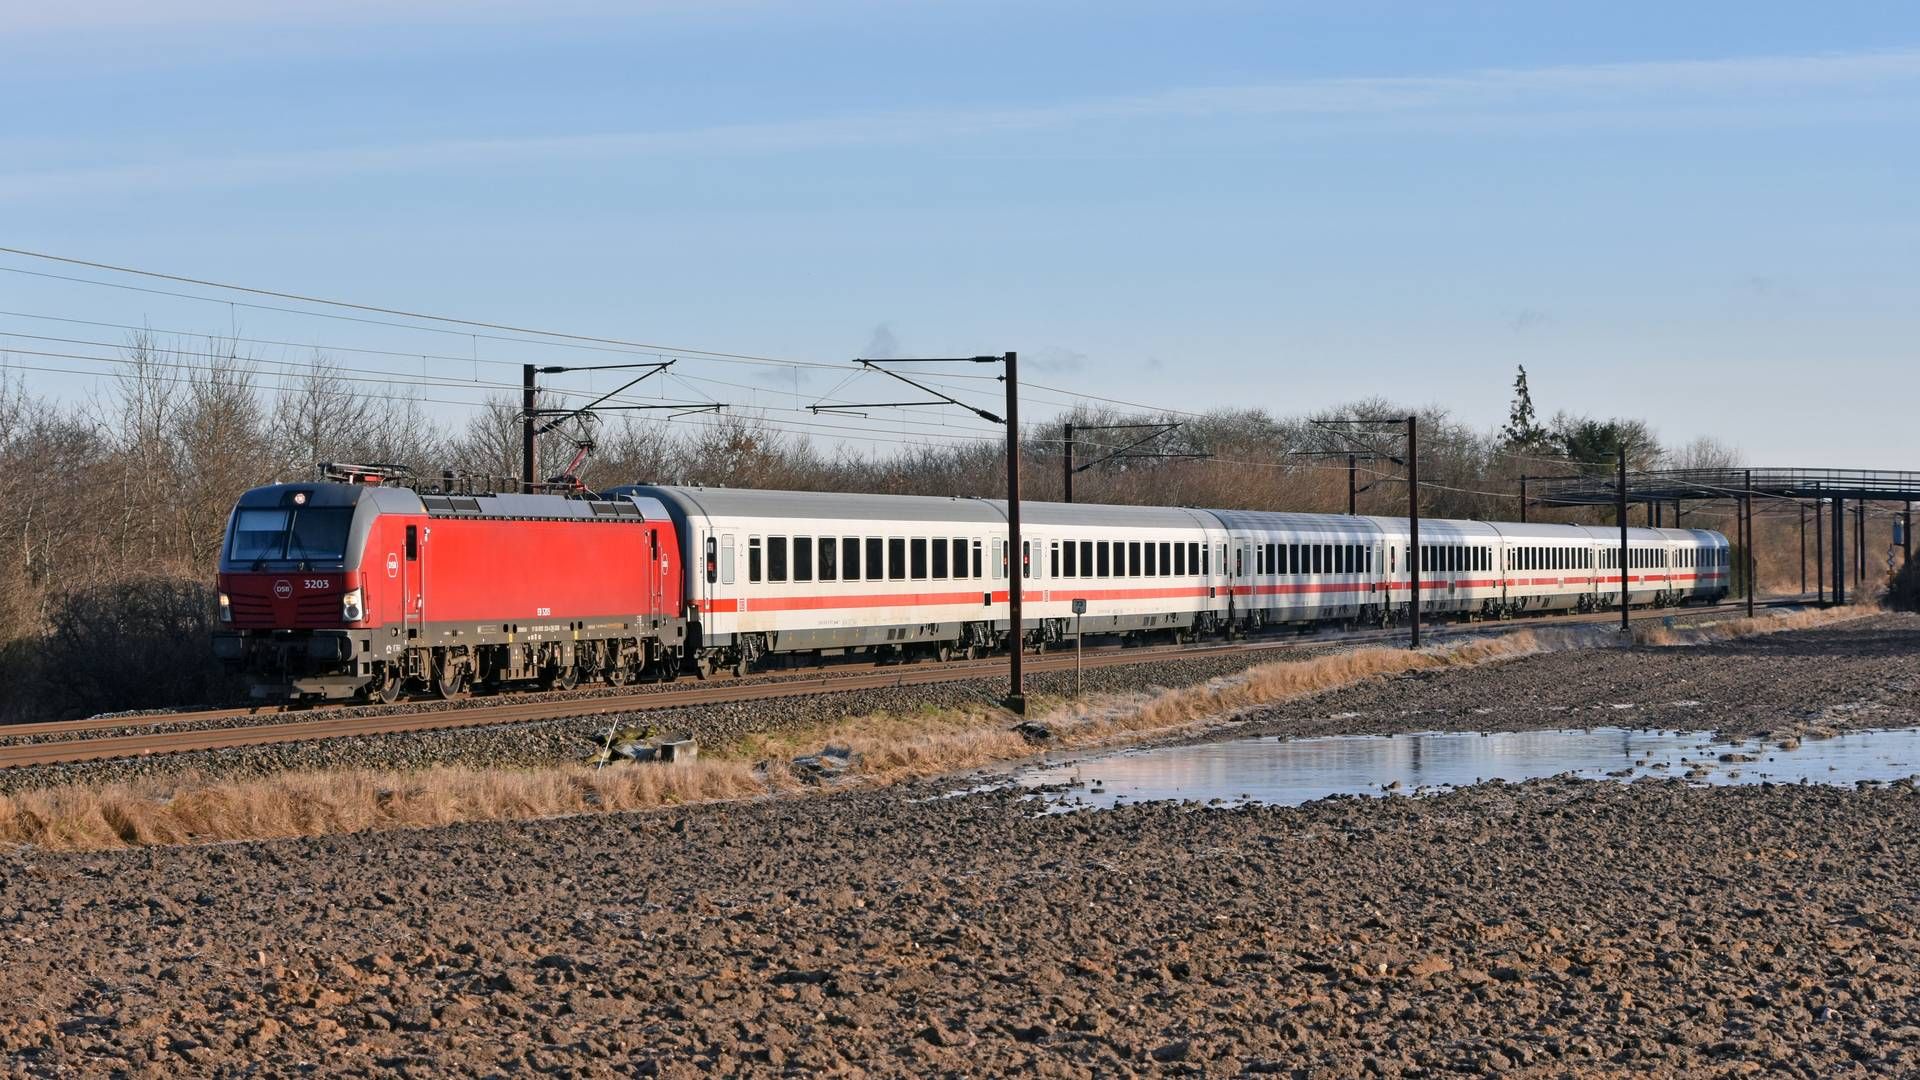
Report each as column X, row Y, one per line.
column 566, row 678
column 741, row 667
column 703, row 666
column 944, row 653
column 451, row 681
column 387, row 684
column 620, row 675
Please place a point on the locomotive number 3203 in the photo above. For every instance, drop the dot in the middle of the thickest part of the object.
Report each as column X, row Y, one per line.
column 315, row 584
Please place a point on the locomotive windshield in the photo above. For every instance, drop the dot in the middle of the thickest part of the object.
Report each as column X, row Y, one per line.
column 307, row 534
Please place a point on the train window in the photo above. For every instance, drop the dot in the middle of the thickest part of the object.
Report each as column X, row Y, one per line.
column 896, row 559
column 1053, row 558
column 1103, row 556
column 1204, row 552
column 1026, row 558
column 1153, row 563
column 978, row 571
column 829, row 559
column 917, row 557
column 1259, row 559
column 1132, row 566
column 1316, row 562
column 999, row 560
column 803, row 558
column 850, row 558
column 939, row 559
column 959, row 556
column 1070, row 559
column 1239, row 561
column 726, row 559
column 713, row 559
column 776, row 558
column 753, row 559
column 1180, row 558
column 413, row 542
column 876, row 563
column 1086, row 558
column 1166, row 557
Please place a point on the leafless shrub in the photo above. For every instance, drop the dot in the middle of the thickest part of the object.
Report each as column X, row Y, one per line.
column 131, row 643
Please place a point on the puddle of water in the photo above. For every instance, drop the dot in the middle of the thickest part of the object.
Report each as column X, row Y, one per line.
column 1285, row 772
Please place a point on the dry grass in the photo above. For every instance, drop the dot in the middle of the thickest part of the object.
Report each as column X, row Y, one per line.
column 191, row 810
column 890, row 748
column 1728, row 629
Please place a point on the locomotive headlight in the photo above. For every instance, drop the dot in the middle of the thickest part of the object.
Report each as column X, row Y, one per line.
column 350, row 608
column 226, row 608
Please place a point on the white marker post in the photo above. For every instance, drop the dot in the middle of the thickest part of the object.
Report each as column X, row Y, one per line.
column 1079, row 610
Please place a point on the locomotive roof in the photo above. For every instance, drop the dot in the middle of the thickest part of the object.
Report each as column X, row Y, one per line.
column 397, row 500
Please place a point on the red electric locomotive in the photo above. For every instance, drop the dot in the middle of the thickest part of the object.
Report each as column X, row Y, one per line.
column 341, row 590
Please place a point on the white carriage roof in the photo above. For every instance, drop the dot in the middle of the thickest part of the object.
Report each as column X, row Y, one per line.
column 815, row 505
column 846, row 506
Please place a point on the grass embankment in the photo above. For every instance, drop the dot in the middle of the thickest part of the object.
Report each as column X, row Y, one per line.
column 887, row 748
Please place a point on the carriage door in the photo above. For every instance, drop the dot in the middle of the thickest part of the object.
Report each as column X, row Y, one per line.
column 413, row 589
column 654, row 574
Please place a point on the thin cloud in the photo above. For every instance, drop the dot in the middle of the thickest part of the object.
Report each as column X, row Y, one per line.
column 1699, row 91
column 97, row 15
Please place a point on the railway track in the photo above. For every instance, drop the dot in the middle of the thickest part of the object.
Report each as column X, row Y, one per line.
column 335, row 724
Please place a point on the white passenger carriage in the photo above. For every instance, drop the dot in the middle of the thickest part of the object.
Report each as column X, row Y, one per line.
column 797, row 573
column 1303, row 568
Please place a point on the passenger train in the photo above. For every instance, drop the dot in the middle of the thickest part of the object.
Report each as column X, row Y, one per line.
column 334, row 590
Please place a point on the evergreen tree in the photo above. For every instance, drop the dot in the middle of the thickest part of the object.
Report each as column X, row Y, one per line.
column 1523, row 430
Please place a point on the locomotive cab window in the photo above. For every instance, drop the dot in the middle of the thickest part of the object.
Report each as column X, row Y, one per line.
column 302, row 534
column 413, row 543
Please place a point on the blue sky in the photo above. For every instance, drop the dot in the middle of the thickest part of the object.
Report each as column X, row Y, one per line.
column 1702, row 214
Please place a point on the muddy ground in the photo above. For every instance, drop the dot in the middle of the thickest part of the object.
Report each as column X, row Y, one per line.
column 1548, row 929
column 1858, row 674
